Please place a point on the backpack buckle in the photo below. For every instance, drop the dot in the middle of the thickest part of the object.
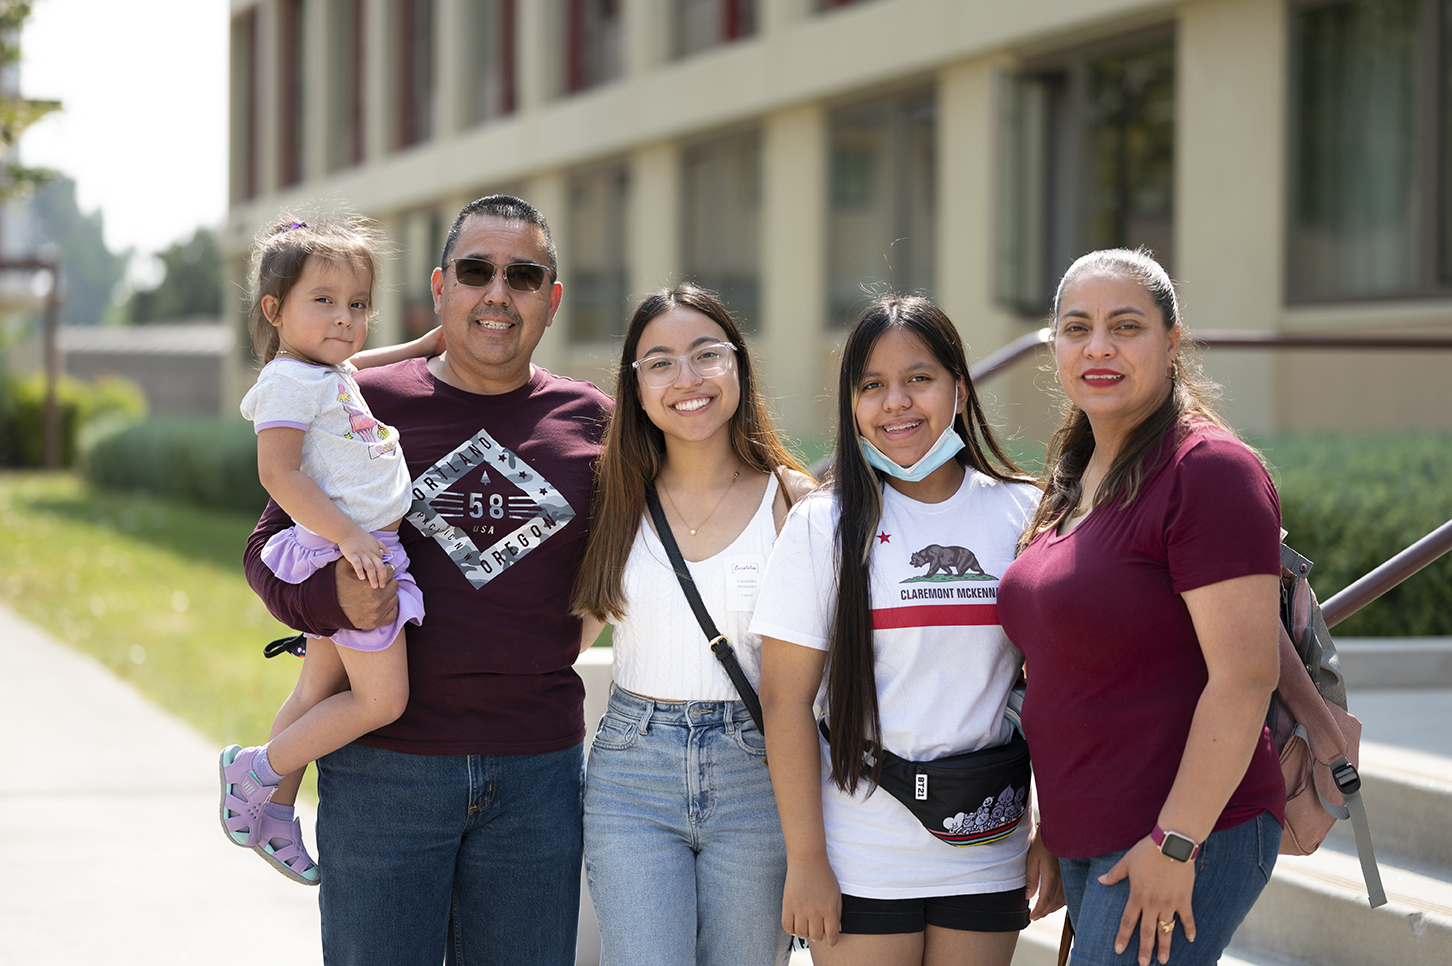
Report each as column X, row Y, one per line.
column 1347, row 779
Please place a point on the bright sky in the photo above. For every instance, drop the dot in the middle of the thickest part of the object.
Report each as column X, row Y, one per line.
column 144, row 126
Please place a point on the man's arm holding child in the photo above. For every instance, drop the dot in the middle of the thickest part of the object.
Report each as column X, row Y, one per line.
column 330, row 599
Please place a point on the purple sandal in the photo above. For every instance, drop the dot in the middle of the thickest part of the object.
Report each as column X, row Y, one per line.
column 281, row 845
column 243, row 796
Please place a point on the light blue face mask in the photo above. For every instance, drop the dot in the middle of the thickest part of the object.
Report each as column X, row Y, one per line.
column 946, row 447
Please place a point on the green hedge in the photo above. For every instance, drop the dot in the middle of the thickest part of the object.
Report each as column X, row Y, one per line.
column 1349, row 502
column 1352, row 502
column 22, row 414
column 205, row 460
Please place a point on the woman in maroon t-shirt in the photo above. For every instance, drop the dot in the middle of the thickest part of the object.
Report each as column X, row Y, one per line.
column 1145, row 602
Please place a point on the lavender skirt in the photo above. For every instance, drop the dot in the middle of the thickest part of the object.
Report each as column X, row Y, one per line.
column 295, row 554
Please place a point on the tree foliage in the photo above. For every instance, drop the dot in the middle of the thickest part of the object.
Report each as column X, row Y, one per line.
column 91, row 269
column 192, row 285
column 17, row 113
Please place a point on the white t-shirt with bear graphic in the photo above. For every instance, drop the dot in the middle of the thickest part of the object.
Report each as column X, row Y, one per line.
column 944, row 668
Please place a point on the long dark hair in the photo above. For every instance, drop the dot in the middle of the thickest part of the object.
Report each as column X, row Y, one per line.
column 634, row 450
column 852, row 716
column 1188, row 403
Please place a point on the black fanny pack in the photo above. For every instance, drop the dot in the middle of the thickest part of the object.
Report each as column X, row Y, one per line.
column 974, row 798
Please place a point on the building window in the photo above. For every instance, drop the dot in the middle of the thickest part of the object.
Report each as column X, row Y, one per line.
column 706, row 23
column 245, row 105
column 721, row 214
column 291, row 71
column 596, row 244
column 1088, row 163
column 489, row 58
column 415, row 50
column 345, row 81
column 422, row 243
column 592, row 43
column 1371, row 149
column 881, row 224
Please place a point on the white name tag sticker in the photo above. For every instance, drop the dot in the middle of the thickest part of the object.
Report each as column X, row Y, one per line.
column 743, row 581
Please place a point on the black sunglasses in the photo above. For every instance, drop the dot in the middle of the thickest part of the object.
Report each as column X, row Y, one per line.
column 479, row 272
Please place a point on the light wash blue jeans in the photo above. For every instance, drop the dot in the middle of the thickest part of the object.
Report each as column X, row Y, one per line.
column 458, row 859
column 683, row 847
column 1232, row 868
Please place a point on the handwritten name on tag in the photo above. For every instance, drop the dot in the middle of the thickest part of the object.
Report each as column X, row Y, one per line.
column 743, row 581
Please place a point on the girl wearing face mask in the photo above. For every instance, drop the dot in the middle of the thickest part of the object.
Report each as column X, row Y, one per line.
column 879, row 607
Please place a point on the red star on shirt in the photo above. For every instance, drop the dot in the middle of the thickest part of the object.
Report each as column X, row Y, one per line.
column 884, row 537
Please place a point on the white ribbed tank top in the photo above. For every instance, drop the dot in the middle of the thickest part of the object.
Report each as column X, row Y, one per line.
column 660, row 649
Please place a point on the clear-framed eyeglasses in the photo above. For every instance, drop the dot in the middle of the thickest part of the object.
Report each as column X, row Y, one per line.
column 660, row 370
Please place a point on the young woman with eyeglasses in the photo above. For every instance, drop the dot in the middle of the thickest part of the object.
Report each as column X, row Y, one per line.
column 683, row 849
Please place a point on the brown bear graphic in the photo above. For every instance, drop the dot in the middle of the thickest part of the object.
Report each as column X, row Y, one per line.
column 956, row 561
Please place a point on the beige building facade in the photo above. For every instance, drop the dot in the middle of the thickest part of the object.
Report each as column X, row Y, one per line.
column 1287, row 160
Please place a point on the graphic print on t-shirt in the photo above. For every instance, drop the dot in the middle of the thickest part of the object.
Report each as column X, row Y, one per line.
column 948, row 568
column 443, row 491
column 362, row 426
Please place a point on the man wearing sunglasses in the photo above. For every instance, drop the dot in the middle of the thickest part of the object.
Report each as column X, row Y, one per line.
column 458, row 826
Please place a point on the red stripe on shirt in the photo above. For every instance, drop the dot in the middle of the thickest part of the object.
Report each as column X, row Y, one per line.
column 934, row 615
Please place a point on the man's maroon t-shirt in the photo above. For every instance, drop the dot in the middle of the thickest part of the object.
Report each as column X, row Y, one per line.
column 1114, row 666
column 502, row 488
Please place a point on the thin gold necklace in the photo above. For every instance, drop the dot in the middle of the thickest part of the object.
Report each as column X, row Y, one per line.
column 734, row 477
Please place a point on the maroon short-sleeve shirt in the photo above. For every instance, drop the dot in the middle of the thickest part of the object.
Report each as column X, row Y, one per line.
column 501, row 500
column 1114, row 666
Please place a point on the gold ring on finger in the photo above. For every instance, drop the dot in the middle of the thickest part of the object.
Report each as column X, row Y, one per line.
column 1167, row 926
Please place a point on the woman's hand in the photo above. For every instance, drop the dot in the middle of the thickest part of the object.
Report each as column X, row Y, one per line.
column 1159, row 889
column 1042, row 878
column 811, row 905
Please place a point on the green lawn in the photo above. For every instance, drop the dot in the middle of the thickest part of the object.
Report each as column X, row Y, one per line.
column 151, row 588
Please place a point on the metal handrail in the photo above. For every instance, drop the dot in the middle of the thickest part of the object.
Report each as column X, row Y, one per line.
column 1368, row 588
column 1358, row 594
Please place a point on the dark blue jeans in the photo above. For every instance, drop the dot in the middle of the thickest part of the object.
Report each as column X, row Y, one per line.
column 1231, row 870
column 453, row 858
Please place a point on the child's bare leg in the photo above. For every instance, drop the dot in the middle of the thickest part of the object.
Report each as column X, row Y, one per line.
column 378, row 682
column 322, row 677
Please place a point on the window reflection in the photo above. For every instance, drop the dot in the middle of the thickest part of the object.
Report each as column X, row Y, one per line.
column 1087, row 163
column 721, row 182
column 1357, row 195
column 596, row 243
column 706, row 23
column 881, row 223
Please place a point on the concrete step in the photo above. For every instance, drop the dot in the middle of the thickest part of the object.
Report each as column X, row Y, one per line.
column 1408, row 796
column 1315, row 910
column 1396, row 662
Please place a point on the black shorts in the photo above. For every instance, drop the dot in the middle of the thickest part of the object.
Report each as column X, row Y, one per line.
column 984, row 912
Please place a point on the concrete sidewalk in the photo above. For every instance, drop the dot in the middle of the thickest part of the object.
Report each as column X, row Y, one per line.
column 133, row 868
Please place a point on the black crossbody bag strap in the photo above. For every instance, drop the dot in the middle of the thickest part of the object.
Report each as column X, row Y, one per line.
column 718, row 643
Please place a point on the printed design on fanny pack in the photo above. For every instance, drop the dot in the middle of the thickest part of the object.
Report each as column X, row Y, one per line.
column 514, row 505
column 995, row 819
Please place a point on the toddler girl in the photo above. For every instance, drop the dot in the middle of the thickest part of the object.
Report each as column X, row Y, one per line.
column 340, row 474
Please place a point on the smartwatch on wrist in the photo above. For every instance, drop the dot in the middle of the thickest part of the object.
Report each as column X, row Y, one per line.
column 1179, row 847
